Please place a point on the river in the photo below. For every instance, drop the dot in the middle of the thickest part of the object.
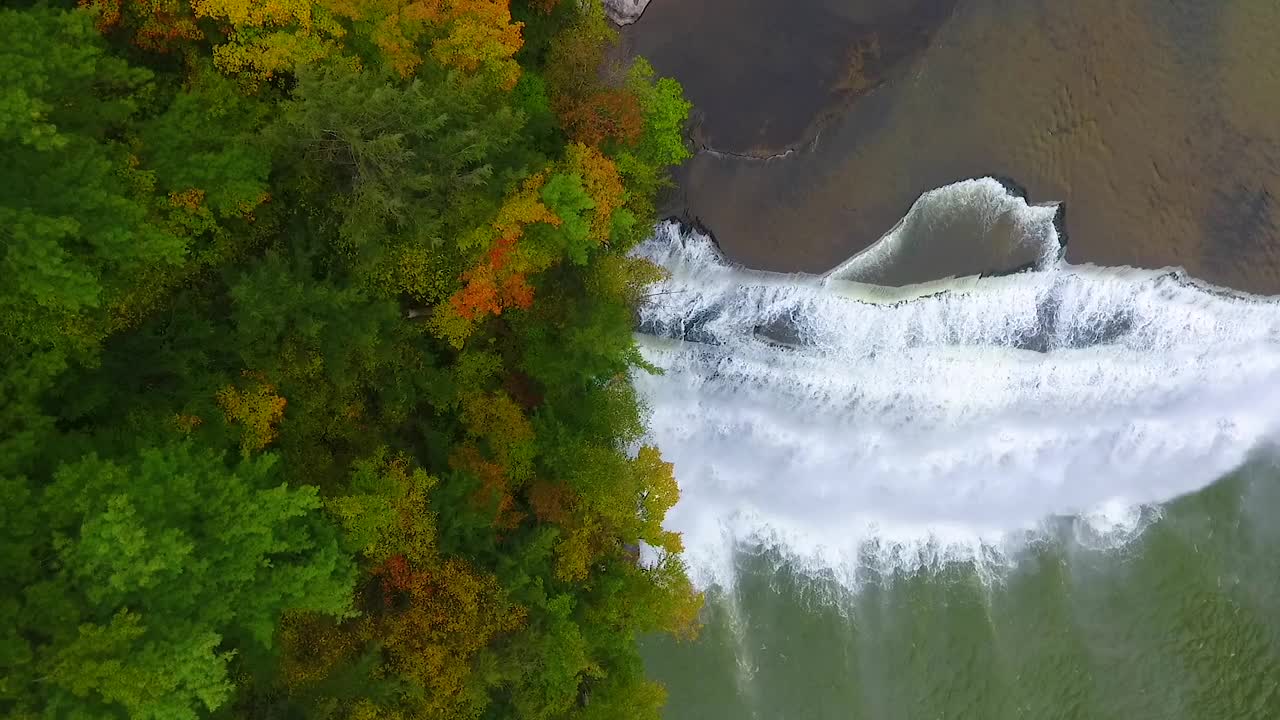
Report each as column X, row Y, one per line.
column 1037, row 494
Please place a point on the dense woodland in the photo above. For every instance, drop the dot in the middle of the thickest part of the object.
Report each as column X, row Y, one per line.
column 315, row 392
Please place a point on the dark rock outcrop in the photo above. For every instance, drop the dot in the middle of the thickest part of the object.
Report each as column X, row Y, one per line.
column 625, row 12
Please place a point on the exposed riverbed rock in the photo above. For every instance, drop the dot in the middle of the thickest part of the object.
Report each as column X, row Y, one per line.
column 625, row 12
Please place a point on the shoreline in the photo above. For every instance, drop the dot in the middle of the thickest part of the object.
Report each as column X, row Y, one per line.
column 812, row 58
column 998, row 229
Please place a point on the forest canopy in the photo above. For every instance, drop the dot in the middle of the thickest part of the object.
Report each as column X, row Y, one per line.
column 315, row 399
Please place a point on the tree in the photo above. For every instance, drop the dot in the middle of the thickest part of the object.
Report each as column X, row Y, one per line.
column 100, row 220
column 144, row 579
column 591, row 111
column 157, row 25
column 77, row 211
column 433, row 615
column 257, row 408
column 602, row 183
column 410, row 167
column 476, row 36
column 662, row 144
column 499, row 280
column 266, row 39
column 316, row 399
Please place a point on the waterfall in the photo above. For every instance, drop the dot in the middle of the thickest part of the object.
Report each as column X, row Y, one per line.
column 881, row 414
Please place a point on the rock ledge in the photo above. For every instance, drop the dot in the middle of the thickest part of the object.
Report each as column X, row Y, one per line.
column 625, row 12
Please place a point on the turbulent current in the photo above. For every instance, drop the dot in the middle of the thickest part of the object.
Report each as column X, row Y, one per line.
column 848, row 425
column 914, row 491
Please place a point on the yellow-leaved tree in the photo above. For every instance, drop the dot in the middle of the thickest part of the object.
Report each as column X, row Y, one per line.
column 270, row 37
column 255, row 407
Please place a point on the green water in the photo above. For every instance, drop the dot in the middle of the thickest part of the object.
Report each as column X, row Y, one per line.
column 1181, row 622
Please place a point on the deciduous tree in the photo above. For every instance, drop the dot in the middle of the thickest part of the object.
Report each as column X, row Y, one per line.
column 157, row 572
column 412, row 228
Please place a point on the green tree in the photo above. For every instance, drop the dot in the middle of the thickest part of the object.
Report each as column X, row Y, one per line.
column 112, row 192
column 143, row 579
column 75, row 228
column 410, row 167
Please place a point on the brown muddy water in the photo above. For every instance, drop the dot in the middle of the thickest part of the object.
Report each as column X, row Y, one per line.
column 766, row 76
column 1157, row 122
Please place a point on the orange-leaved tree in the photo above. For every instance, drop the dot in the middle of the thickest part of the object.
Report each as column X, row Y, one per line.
column 499, row 280
column 560, row 213
column 431, row 615
column 593, row 107
column 155, row 25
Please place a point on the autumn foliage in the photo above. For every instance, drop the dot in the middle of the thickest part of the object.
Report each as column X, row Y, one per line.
column 427, row 496
column 255, row 408
column 450, row 613
column 156, row 25
column 499, row 279
column 264, row 39
column 593, row 107
column 602, row 183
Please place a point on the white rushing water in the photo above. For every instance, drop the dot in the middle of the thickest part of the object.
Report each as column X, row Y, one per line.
column 841, row 421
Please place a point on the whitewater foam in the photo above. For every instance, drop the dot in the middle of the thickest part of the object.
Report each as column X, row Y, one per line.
column 949, row 425
column 972, row 227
